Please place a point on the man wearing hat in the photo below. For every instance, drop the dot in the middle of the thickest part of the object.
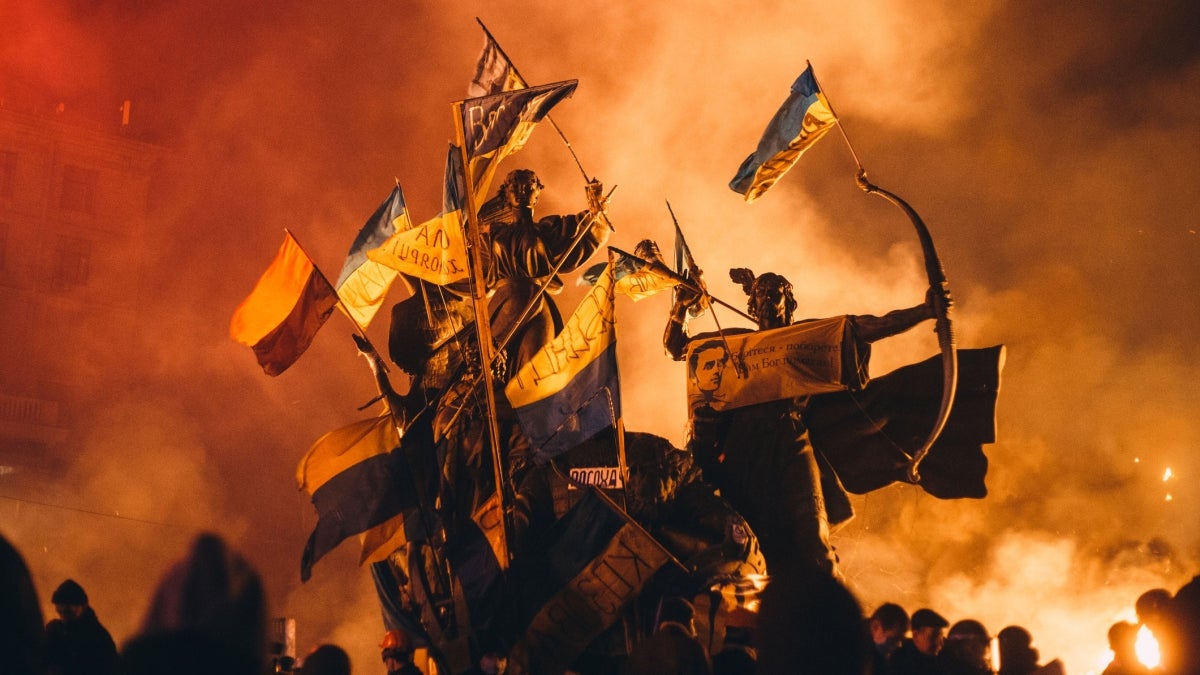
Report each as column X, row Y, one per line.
column 918, row 654
column 398, row 653
column 76, row 642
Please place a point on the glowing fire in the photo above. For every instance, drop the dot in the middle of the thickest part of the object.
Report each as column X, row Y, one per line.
column 1167, row 474
column 1147, row 648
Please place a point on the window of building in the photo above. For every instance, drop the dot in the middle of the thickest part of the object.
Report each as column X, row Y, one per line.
column 8, row 172
column 79, row 189
column 72, row 264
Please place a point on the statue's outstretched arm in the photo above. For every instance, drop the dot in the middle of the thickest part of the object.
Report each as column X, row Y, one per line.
column 871, row 328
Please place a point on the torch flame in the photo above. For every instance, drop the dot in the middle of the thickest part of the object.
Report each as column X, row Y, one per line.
column 1147, row 648
column 1167, row 474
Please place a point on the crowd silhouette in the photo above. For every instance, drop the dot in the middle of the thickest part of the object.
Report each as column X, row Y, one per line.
column 208, row 615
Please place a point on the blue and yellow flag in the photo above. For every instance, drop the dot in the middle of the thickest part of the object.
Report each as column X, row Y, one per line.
column 497, row 125
column 364, row 479
column 494, row 73
column 803, row 119
column 435, row 250
column 364, row 283
column 634, row 277
column 568, row 390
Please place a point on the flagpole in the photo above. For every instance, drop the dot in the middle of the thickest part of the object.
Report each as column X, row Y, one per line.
column 936, row 275
column 548, row 118
column 346, row 311
column 683, row 281
column 619, row 427
column 483, row 330
column 620, row 512
column 529, row 306
column 840, row 125
column 738, row 366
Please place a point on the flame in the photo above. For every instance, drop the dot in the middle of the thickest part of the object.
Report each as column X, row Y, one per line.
column 1147, row 648
column 1168, row 474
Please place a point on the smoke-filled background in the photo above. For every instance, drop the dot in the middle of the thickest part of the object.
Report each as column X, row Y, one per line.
column 1050, row 147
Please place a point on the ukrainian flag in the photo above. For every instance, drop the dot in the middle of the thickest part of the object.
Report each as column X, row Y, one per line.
column 802, row 120
column 568, row 390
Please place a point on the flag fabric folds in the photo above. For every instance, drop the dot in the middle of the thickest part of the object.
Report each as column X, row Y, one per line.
column 568, row 390
column 498, row 125
column 644, row 278
column 596, row 562
column 634, row 277
column 868, row 436
column 362, row 477
column 435, row 250
column 288, row 305
column 802, row 120
column 494, row 73
column 364, row 282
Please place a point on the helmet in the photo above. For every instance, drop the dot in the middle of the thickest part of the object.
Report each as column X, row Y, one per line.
column 396, row 639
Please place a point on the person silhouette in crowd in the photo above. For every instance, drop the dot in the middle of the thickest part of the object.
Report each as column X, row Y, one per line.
column 1186, row 610
column 810, row 623
column 492, row 662
column 22, row 633
column 1018, row 655
column 1122, row 640
column 207, row 615
column 396, row 649
column 1154, row 611
column 967, row 650
column 76, row 642
column 673, row 649
column 326, row 660
column 887, row 626
column 918, row 654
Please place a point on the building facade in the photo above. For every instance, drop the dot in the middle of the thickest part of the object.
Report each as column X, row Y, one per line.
column 74, row 205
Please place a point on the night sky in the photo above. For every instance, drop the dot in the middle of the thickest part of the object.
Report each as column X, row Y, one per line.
column 1050, row 149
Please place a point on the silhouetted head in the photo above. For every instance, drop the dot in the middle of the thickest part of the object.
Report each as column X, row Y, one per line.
column 771, row 303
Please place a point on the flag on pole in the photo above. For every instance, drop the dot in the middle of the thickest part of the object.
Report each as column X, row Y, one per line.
column 596, row 563
column 364, row 282
column 364, row 480
column 494, row 73
column 498, row 125
column 282, row 315
column 435, row 250
column 803, row 119
column 634, row 277
column 568, row 390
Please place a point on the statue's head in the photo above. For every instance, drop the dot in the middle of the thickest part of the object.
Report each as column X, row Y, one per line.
column 770, row 301
column 521, row 187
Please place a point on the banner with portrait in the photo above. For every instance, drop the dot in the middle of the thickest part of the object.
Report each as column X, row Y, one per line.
column 740, row 369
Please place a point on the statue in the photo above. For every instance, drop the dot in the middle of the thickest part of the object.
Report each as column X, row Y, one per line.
column 525, row 254
column 759, row 455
